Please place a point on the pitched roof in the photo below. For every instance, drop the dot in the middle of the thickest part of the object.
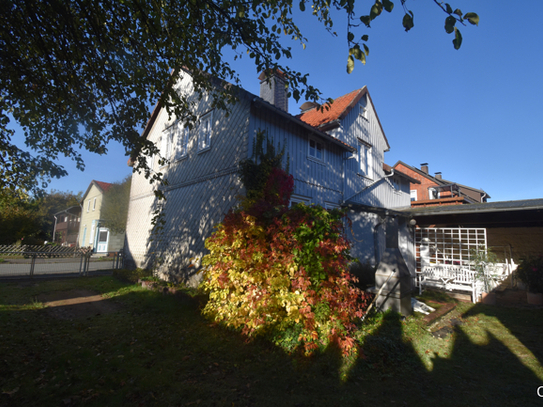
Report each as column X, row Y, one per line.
column 102, row 186
column 438, row 181
column 338, row 110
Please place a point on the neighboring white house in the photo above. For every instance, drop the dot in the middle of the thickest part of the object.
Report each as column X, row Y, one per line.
column 336, row 158
column 92, row 232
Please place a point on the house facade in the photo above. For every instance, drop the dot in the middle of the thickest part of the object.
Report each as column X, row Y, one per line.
column 92, row 232
column 336, row 157
column 434, row 190
column 66, row 226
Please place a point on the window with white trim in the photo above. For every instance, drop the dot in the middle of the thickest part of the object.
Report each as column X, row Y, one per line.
column 413, row 193
column 363, row 112
column 166, row 146
column 316, row 149
column 296, row 199
column 365, row 159
column 94, row 204
column 205, row 132
column 88, row 205
column 433, row 193
column 181, row 141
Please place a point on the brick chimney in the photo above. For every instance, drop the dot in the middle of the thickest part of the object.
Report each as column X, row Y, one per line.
column 438, row 175
column 424, row 168
column 273, row 89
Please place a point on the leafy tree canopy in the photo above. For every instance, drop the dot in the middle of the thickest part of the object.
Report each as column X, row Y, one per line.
column 18, row 218
column 115, row 205
column 77, row 74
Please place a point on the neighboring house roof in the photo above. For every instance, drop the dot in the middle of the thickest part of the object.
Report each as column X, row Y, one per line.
column 324, row 116
column 388, row 169
column 102, row 187
column 438, row 181
column 72, row 210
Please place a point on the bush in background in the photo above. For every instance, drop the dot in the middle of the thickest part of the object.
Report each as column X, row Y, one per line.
column 530, row 272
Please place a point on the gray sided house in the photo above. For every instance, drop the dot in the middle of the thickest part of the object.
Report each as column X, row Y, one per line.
column 336, row 158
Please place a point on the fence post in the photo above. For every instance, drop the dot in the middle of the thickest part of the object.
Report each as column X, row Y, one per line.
column 81, row 263
column 32, row 264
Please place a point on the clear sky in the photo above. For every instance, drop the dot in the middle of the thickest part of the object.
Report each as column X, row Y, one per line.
column 472, row 114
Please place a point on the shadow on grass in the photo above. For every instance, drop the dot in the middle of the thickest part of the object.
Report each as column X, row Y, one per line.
column 158, row 350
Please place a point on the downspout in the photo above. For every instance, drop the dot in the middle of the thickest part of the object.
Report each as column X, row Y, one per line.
column 483, row 197
column 370, row 185
column 344, row 183
column 380, row 221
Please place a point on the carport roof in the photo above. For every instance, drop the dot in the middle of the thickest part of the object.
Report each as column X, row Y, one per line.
column 528, row 212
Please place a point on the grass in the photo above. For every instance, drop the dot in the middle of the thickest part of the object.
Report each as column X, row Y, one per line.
column 157, row 350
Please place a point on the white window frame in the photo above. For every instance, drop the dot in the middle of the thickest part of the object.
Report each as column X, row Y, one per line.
column 94, row 204
column 365, row 159
column 313, row 151
column 413, row 195
column 166, row 145
column 431, row 192
column 181, row 138
column 363, row 112
column 88, row 205
column 296, row 199
column 331, row 205
column 205, row 132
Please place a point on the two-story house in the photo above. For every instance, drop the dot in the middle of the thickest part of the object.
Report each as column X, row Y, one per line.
column 66, row 226
column 434, row 190
column 336, row 158
column 92, row 231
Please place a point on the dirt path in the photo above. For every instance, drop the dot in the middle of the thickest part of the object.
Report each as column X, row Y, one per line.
column 77, row 303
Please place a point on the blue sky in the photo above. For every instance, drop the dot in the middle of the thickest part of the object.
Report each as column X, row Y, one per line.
column 471, row 114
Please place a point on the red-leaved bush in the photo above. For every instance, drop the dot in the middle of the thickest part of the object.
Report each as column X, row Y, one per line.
column 283, row 272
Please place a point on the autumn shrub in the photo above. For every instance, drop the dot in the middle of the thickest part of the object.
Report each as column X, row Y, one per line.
column 530, row 272
column 283, row 272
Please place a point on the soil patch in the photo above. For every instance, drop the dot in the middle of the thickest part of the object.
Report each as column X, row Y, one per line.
column 77, row 303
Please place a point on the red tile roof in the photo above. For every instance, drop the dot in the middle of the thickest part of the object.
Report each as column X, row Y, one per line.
column 104, row 186
column 337, row 110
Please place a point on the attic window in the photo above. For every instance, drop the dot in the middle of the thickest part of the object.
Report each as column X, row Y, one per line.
column 363, row 112
column 316, row 149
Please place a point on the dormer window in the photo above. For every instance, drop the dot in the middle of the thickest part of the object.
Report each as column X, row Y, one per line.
column 316, row 150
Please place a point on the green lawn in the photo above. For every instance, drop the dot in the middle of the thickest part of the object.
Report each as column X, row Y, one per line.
column 152, row 349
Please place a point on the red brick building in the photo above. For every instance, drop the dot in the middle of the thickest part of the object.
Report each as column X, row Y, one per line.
column 434, row 190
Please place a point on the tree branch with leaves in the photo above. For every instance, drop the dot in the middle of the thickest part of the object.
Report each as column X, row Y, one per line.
column 78, row 74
